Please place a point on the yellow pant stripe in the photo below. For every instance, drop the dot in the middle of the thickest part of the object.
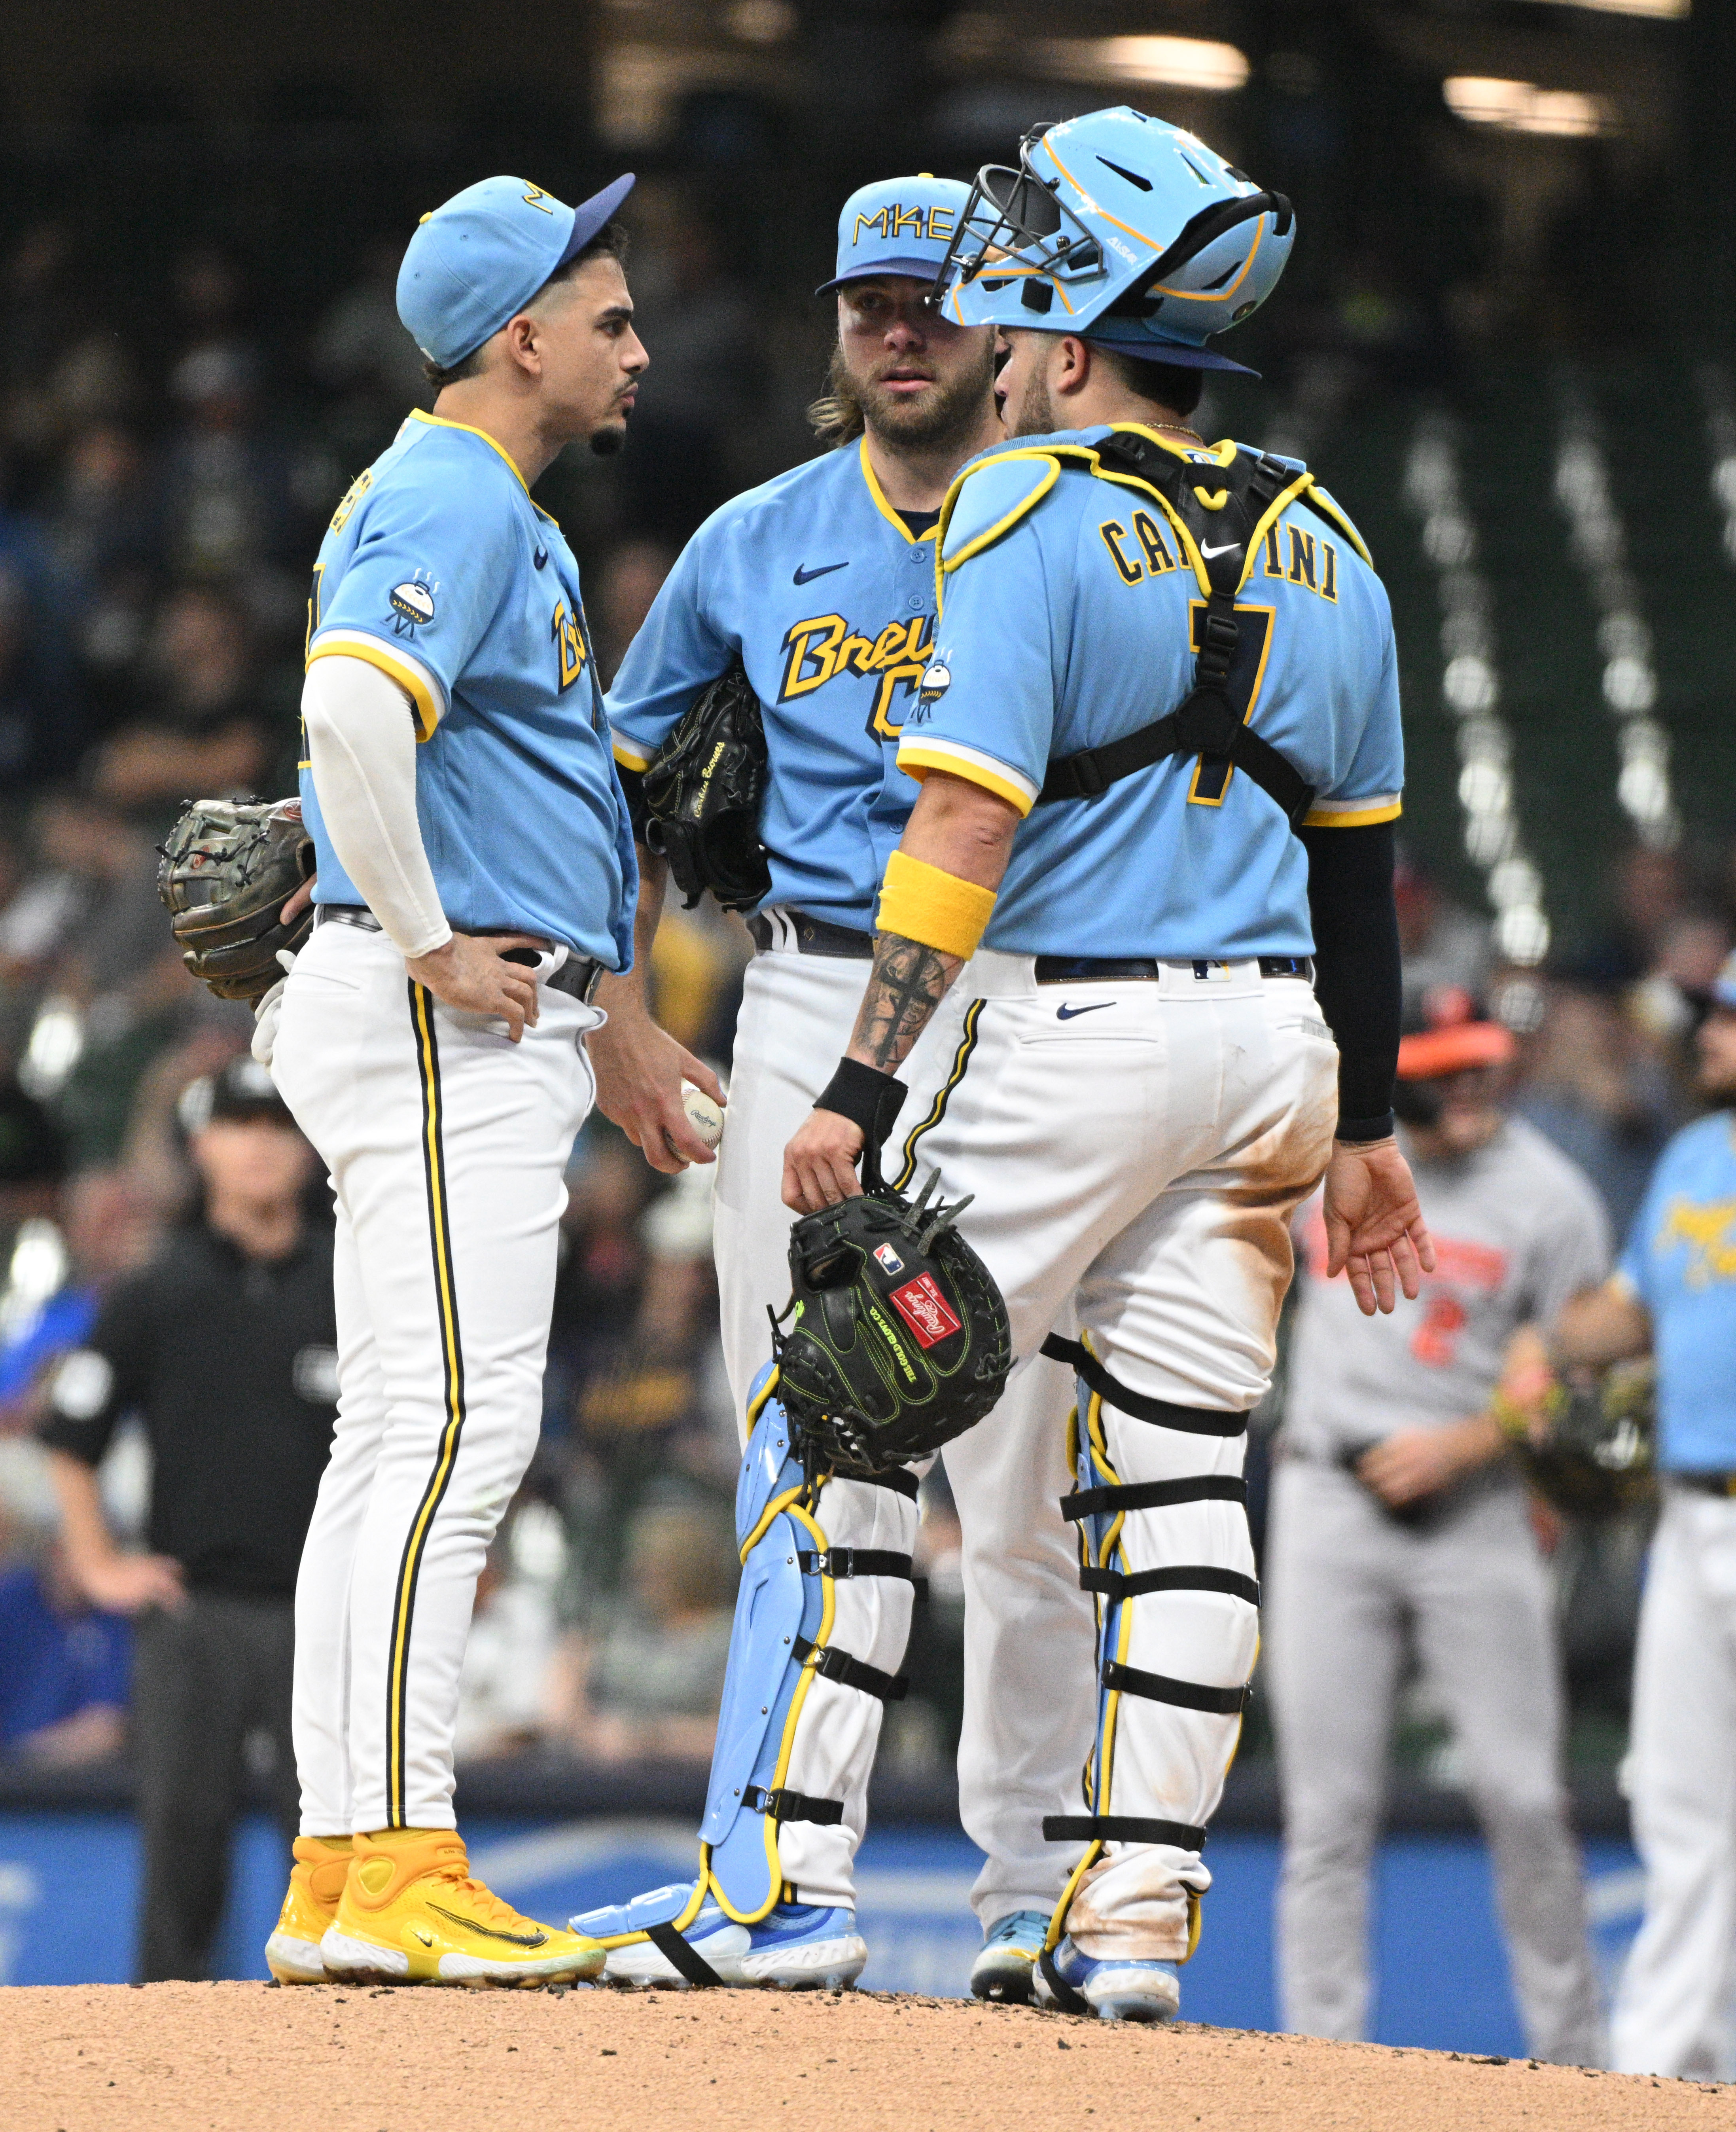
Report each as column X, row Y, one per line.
column 451, row 1353
column 962, row 1059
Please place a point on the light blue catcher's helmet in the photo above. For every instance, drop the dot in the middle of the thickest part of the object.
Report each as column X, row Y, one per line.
column 1123, row 229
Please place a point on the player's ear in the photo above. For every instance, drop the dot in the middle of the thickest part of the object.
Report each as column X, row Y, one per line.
column 523, row 338
column 1070, row 363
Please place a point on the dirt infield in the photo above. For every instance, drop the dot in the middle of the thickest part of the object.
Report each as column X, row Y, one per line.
column 236, row 2058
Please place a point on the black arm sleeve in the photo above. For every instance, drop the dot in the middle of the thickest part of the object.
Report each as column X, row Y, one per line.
column 1357, row 975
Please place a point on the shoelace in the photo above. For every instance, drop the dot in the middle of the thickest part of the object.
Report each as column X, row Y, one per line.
column 481, row 1897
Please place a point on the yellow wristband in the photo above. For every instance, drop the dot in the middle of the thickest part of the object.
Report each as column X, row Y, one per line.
column 925, row 903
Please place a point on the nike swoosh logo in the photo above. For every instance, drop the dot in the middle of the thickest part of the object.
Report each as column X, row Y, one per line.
column 1224, row 548
column 418, row 1931
column 538, row 559
column 807, row 577
column 512, row 1939
column 1068, row 1013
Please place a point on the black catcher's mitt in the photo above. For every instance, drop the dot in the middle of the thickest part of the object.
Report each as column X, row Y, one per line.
column 228, row 870
column 897, row 1336
column 702, row 791
column 1588, row 1452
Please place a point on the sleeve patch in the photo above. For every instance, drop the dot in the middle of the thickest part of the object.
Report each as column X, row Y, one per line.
column 989, row 501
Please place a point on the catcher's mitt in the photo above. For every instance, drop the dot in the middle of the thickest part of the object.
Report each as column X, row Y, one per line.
column 228, row 870
column 1587, row 1448
column 702, row 791
column 897, row 1338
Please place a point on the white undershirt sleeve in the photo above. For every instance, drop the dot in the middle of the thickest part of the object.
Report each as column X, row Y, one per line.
column 361, row 742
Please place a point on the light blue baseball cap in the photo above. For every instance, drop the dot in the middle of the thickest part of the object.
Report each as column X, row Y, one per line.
column 484, row 255
column 897, row 226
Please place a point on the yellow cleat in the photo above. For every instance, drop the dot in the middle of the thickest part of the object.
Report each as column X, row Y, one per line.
column 410, row 1913
column 316, row 1881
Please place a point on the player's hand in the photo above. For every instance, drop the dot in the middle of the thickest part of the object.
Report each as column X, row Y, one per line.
column 299, row 901
column 473, row 974
column 128, row 1584
column 1374, row 1226
column 639, row 1068
column 1414, row 1463
column 819, row 1163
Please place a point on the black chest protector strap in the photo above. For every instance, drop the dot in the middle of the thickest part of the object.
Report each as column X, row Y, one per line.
column 1204, row 723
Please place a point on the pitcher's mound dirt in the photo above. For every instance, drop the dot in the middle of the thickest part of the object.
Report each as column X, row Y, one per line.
column 244, row 2057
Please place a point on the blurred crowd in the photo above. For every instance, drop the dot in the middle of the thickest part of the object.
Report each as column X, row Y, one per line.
column 163, row 484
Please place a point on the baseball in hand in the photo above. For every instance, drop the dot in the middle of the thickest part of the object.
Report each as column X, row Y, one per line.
column 702, row 1114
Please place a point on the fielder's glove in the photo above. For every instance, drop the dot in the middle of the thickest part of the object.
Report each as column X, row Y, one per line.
column 228, row 870
column 702, row 791
column 1586, row 1443
column 897, row 1338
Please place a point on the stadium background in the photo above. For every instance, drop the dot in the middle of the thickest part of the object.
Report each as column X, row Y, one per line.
column 1505, row 342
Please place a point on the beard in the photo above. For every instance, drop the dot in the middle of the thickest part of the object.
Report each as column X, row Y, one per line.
column 1034, row 415
column 949, row 414
column 607, row 441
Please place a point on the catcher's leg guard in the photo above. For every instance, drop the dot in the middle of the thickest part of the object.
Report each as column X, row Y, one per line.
column 1161, row 1504
column 822, row 1616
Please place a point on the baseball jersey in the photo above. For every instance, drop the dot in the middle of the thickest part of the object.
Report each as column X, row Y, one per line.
column 438, row 570
column 830, row 600
column 1067, row 617
column 1681, row 1262
column 1517, row 1230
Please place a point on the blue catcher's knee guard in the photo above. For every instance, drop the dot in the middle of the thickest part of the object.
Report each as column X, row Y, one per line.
column 823, row 1615
column 1126, row 1556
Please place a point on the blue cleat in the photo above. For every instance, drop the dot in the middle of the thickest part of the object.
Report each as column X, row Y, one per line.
column 1003, row 1969
column 798, row 1946
column 1069, row 1982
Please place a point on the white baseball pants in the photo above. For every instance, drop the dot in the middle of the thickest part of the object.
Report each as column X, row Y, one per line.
column 1136, row 1149
column 1028, row 1700
column 1676, row 2008
column 447, row 1145
column 1348, row 1591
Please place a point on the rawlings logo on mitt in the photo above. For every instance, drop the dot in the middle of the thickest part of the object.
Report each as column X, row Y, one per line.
column 897, row 1338
column 228, row 870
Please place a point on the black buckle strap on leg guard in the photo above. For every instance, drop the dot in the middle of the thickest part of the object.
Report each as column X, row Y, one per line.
column 1063, row 1994
column 687, row 1960
column 1120, row 1584
column 1205, row 723
column 786, row 1805
column 1181, row 1694
column 1154, row 1494
column 853, row 1673
column 1119, row 1829
column 1162, row 1414
column 845, row 1562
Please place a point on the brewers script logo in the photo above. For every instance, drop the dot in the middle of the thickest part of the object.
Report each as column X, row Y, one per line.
column 1706, row 1230
column 819, row 650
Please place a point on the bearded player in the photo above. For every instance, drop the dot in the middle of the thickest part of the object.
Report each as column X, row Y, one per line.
column 475, row 878
column 822, row 583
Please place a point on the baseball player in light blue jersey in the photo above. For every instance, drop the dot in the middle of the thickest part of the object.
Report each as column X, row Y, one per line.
column 476, row 876
column 823, row 582
column 1673, row 1295
column 1160, row 754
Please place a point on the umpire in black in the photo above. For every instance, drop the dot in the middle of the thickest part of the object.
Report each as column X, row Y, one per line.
column 225, row 1348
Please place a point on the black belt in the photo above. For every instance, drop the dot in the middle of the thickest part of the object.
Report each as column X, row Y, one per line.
column 1081, row 969
column 1706, row 1484
column 578, row 975
column 816, row 936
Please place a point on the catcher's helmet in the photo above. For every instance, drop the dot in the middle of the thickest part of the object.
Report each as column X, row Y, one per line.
column 897, row 1338
column 1123, row 229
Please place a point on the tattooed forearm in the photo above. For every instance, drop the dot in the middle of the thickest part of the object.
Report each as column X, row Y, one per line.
column 909, row 981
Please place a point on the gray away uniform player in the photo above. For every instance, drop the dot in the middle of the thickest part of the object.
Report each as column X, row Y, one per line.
column 1426, row 1545
column 1141, row 1087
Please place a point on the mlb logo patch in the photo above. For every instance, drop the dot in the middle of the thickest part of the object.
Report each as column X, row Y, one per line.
column 924, row 1310
column 890, row 1259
